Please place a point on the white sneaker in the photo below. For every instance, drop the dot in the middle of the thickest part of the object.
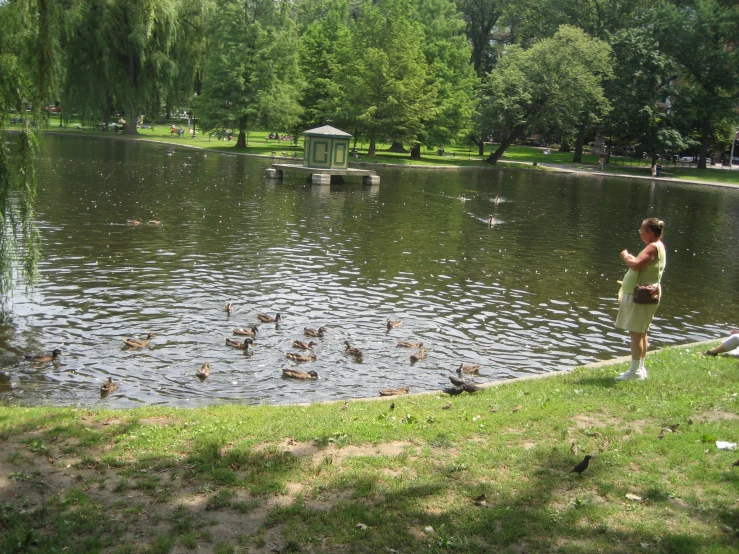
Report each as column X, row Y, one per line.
column 641, row 374
column 627, row 376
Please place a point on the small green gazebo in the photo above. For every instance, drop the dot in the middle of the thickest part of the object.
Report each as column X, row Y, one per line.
column 326, row 148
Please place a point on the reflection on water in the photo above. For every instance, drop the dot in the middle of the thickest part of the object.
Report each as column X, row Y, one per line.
column 533, row 292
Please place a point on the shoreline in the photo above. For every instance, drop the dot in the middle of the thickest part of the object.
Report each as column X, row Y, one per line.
column 524, row 165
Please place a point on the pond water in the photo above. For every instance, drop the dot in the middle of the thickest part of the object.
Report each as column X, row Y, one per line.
column 534, row 293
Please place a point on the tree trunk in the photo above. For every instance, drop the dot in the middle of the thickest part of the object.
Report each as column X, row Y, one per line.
column 565, row 146
column 241, row 142
column 130, row 126
column 397, row 146
column 416, row 151
column 577, row 158
column 705, row 136
column 372, row 146
column 495, row 156
column 610, row 147
column 480, row 143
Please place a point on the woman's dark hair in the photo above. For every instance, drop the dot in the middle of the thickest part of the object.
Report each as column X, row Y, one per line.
column 656, row 226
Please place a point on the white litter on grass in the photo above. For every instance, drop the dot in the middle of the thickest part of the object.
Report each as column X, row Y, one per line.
column 723, row 445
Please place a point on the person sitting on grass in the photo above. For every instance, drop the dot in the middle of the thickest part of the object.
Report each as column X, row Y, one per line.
column 729, row 344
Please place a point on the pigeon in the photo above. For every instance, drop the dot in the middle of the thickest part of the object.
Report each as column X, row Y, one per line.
column 582, row 466
column 453, row 391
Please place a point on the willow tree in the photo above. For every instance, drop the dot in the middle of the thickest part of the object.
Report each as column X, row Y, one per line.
column 29, row 76
column 251, row 77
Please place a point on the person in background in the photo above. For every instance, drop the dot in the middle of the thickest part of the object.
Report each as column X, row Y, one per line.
column 729, row 344
column 644, row 269
column 600, row 163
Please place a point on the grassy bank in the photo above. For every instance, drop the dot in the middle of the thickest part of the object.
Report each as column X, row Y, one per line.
column 406, row 474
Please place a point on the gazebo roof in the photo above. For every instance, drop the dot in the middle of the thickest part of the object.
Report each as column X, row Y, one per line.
column 327, row 131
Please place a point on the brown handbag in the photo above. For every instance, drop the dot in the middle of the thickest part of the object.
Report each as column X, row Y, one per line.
column 646, row 294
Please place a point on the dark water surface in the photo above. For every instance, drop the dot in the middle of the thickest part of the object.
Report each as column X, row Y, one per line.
column 535, row 293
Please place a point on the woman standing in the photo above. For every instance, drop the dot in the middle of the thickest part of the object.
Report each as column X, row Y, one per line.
column 644, row 269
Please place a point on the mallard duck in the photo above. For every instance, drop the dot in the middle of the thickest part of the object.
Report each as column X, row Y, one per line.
column 44, row 358
column 469, row 369
column 466, row 384
column 303, row 345
column 391, row 324
column 133, row 221
column 268, row 318
column 406, row 344
column 240, row 345
column 108, row 387
column 155, row 222
column 228, row 308
column 249, row 332
column 139, row 343
column 204, row 371
column 395, row 392
column 301, row 357
column 349, row 349
column 295, row 374
column 308, row 332
column 419, row 355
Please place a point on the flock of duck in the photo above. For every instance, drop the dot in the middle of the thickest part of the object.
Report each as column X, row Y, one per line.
column 459, row 384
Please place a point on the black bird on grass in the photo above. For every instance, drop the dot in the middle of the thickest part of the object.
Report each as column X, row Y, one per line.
column 466, row 384
column 453, row 391
column 582, row 466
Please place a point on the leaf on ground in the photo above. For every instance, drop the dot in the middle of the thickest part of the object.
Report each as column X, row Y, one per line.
column 361, row 526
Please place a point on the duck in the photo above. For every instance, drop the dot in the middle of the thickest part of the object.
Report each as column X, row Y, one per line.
column 491, row 221
column 133, row 221
column 469, row 369
column 240, row 345
column 228, row 307
column 44, row 358
column 466, row 384
column 155, row 222
column 139, row 343
column 392, row 324
column 268, row 318
column 108, row 387
column 497, row 199
column 356, row 352
column 303, row 345
column 248, row 332
column 407, row 344
column 395, row 392
column 301, row 357
column 420, row 355
column 204, row 371
column 295, row 374
column 320, row 332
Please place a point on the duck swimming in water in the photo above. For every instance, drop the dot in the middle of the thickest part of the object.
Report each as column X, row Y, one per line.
column 301, row 357
column 468, row 369
column 320, row 332
column 264, row 318
column 407, row 344
column 393, row 324
column 204, row 371
column 240, row 345
column 419, row 355
column 356, row 352
column 139, row 343
column 44, row 358
column 248, row 332
column 108, row 387
column 303, row 345
column 295, row 374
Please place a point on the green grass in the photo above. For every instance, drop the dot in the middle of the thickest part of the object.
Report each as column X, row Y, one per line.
column 179, row 476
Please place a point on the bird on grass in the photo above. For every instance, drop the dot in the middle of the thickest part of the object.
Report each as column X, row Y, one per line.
column 204, row 371
column 249, row 332
column 466, row 384
column 295, row 374
column 240, row 345
column 582, row 466
column 303, row 345
column 453, row 391
column 264, row 318
column 470, row 369
column 419, row 355
column 139, row 343
column 395, row 392
column 408, row 344
column 320, row 332
column 393, row 324
column 301, row 357
column 44, row 358
column 352, row 351
column 108, row 387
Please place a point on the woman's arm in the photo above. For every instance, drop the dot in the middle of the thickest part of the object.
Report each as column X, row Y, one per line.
column 645, row 257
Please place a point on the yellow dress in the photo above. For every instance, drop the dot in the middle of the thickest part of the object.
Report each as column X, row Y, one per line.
column 638, row 317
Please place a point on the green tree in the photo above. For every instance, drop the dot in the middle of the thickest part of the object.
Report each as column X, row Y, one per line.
column 30, row 72
column 450, row 68
column 701, row 37
column 481, row 19
column 386, row 89
column 558, row 78
column 251, row 76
